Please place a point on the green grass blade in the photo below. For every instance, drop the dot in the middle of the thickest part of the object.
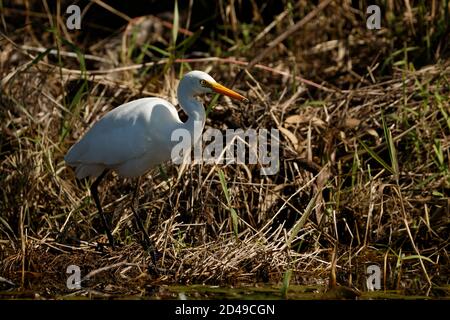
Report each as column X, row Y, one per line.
column 440, row 158
column 40, row 56
column 159, row 50
column 176, row 24
column 233, row 213
column 391, row 148
column 415, row 256
column 79, row 54
column 442, row 110
column 212, row 104
column 3, row 221
column 132, row 42
column 355, row 166
column 301, row 222
column 224, row 185
column 189, row 41
column 234, row 220
column 376, row 157
column 286, row 281
column 75, row 106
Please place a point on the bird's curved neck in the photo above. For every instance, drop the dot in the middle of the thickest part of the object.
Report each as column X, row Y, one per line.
column 193, row 108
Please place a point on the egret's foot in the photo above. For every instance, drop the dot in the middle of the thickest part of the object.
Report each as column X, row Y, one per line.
column 112, row 242
column 100, row 247
column 153, row 270
column 153, row 265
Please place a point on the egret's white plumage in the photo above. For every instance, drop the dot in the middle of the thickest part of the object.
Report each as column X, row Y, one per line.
column 136, row 136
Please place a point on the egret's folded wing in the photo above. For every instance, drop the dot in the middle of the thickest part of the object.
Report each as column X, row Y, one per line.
column 125, row 133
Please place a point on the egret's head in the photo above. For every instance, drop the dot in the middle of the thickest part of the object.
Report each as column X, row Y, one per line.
column 200, row 83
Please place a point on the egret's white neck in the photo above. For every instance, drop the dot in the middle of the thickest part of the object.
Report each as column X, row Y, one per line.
column 193, row 108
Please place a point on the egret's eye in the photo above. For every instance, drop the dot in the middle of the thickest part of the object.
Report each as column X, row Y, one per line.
column 204, row 83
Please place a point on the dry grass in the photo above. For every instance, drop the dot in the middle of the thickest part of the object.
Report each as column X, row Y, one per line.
column 364, row 155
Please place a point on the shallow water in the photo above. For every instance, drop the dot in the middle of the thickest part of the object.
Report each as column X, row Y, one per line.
column 256, row 292
column 295, row 292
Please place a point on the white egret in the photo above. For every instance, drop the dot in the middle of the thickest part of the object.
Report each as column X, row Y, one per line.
column 136, row 136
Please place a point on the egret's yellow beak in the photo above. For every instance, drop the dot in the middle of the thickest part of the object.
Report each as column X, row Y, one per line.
column 216, row 87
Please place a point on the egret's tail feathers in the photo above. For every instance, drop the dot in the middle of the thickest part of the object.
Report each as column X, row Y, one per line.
column 75, row 158
column 89, row 170
column 76, row 153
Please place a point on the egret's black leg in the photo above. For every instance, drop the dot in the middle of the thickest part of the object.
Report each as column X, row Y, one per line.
column 94, row 192
column 147, row 243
